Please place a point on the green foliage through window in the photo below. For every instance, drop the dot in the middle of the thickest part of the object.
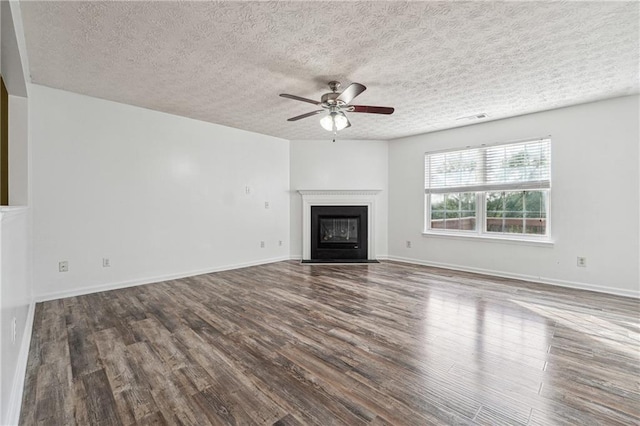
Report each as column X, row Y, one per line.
column 453, row 211
column 519, row 212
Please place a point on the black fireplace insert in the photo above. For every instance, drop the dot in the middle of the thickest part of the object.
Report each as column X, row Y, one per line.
column 339, row 233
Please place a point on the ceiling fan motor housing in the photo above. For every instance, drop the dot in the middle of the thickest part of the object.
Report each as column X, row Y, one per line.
column 330, row 99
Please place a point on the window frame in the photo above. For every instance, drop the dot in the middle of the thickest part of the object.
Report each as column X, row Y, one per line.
column 481, row 202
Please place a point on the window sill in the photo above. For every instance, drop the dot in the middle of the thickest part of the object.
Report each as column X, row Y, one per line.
column 492, row 239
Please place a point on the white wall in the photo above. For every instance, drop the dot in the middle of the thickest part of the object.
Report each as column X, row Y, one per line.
column 344, row 164
column 594, row 198
column 16, row 300
column 159, row 195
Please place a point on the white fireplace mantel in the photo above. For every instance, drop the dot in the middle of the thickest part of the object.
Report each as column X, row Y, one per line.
column 338, row 197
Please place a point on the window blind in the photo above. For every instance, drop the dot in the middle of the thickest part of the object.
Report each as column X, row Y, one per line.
column 513, row 166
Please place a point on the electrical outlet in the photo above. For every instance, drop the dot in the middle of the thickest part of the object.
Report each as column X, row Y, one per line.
column 266, row 204
column 408, row 244
column 247, row 190
column 280, row 243
column 261, row 244
column 582, row 262
column 106, row 263
column 13, row 330
column 63, row 266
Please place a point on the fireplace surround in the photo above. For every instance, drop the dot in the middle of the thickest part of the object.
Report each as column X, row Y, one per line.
column 351, row 198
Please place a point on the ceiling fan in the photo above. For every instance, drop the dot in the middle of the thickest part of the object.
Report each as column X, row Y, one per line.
column 337, row 103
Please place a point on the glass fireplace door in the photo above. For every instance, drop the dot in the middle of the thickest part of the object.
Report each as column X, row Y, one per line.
column 338, row 230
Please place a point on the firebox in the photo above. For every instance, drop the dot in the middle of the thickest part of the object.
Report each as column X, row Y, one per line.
column 339, row 232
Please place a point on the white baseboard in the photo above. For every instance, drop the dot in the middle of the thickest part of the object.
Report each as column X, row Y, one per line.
column 149, row 280
column 15, row 400
column 523, row 277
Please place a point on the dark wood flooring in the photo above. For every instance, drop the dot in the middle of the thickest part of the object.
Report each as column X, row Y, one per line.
column 291, row 344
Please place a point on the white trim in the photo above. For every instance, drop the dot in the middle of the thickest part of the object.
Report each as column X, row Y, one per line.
column 150, row 280
column 472, row 235
column 15, row 400
column 338, row 197
column 531, row 278
column 339, row 192
column 8, row 210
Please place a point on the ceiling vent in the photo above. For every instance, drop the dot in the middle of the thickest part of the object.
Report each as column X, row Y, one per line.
column 479, row 116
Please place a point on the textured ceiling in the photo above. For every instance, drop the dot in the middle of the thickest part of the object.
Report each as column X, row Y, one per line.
column 226, row 62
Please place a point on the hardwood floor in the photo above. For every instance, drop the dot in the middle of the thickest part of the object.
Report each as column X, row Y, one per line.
column 291, row 344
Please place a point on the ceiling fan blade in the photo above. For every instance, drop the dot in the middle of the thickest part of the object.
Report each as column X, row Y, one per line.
column 351, row 92
column 371, row 109
column 298, row 98
column 309, row 114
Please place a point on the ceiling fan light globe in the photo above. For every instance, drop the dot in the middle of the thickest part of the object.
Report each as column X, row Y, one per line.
column 340, row 120
column 327, row 122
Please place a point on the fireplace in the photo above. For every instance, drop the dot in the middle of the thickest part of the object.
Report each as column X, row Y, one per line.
column 339, row 233
column 359, row 224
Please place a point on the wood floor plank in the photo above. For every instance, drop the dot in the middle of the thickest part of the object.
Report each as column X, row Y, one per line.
column 81, row 338
column 100, row 402
column 378, row 344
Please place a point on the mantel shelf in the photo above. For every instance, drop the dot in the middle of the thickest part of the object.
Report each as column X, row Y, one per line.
column 339, row 191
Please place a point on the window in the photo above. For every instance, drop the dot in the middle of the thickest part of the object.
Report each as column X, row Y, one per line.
column 499, row 190
column 453, row 211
